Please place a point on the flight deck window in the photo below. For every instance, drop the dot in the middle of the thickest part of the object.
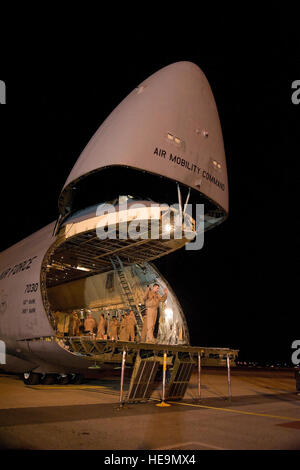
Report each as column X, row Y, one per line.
column 215, row 164
column 175, row 140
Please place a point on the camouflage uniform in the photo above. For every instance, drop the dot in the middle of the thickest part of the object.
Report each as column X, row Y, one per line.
column 124, row 334
column 113, row 329
column 131, row 321
column 101, row 328
column 74, row 325
column 152, row 301
column 62, row 321
column 90, row 324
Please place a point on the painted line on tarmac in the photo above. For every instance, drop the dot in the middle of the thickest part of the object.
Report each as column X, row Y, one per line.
column 263, row 415
column 192, row 443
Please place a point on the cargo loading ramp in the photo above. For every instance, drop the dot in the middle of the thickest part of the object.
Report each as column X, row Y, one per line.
column 146, row 359
column 97, row 350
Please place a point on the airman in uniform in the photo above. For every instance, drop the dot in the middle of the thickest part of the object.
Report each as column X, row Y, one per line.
column 101, row 327
column 131, row 322
column 74, row 324
column 113, row 329
column 152, row 301
column 124, row 336
column 62, row 322
column 90, row 324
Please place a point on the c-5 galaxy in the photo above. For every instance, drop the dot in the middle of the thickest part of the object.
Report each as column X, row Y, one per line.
column 162, row 147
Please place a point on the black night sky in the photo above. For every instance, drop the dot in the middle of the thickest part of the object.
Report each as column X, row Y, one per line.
column 240, row 289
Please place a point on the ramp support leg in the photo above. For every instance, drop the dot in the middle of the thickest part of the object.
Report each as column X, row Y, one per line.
column 163, row 403
column 199, row 376
column 228, row 377
column 122, row 377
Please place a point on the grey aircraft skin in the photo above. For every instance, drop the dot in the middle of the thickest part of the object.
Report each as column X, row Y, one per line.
column 167, row 128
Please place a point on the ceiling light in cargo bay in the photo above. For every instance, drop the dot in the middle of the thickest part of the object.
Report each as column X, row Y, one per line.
column 56, row 266
column 82, row 268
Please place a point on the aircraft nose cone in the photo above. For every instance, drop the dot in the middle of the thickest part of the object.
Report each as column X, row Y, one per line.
column 168, row 126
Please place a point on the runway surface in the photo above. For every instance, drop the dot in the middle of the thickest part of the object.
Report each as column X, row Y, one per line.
column 264, row 413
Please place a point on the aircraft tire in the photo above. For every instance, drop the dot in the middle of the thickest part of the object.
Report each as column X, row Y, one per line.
column 78, row 379
column 63, row 380
column 49, row 379
column 31, row 378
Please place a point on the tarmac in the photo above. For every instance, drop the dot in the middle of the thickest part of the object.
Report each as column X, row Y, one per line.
column 263, row 414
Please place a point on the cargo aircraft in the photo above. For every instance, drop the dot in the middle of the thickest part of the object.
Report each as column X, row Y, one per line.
column 160, row 150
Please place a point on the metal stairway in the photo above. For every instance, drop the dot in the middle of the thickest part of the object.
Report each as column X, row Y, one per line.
column 127, row 293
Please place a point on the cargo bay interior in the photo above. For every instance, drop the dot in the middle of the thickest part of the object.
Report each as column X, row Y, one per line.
column 83, row 276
